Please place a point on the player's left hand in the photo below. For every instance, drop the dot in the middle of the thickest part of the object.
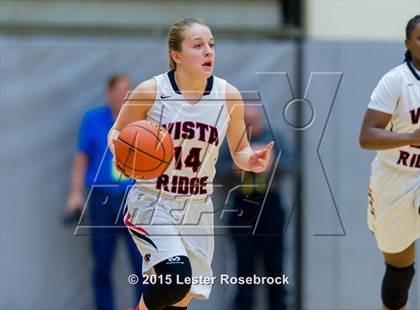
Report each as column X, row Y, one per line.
column 260, row 160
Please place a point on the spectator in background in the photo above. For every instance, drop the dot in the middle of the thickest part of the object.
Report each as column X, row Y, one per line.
column 245, row 204
column 91, row 170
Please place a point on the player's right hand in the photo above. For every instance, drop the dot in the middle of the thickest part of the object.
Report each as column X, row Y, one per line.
column 75, row 202
column 112, row 137
column 119, row 168
column 115, row 162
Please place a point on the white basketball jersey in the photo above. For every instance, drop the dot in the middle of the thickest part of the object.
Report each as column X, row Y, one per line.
column 197, row 130
column 398, row 93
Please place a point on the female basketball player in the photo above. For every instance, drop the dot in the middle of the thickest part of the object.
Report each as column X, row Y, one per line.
column 171, row 217
column 391, row 126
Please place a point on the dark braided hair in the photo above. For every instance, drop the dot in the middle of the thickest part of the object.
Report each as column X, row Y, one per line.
column 412, row 23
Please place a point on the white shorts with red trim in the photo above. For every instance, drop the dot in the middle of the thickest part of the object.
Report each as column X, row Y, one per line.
column 163, row 228
column 393, row 210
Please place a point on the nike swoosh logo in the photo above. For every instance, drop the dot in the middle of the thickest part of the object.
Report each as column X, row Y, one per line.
column 164, row 97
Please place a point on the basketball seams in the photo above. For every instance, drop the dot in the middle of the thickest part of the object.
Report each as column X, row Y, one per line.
column 141, row 151
column 158, row 136
column 132, row 148
column 154, row 135
column 124, row 165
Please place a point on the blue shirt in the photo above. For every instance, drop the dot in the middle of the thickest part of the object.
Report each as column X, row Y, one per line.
column 92, row 141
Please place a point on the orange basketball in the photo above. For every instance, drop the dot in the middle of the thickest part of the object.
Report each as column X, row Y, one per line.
column 143, row 150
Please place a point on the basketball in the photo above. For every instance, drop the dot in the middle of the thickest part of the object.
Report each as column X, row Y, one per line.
column 143, row 150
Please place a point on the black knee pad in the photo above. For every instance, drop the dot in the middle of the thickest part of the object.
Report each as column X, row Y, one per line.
column 163, row 293
column 395, row 286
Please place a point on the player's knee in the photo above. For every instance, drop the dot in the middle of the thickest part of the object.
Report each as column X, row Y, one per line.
column 395, row 286
column 170, row 286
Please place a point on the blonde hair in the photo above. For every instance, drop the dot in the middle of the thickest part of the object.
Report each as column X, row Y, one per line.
column 175, row 36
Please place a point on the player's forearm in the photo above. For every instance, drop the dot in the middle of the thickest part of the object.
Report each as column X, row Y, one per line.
column 78, row 172
column 241, row 158
column 381, row 139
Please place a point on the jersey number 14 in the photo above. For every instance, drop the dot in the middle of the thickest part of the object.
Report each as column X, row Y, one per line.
column 192, row 160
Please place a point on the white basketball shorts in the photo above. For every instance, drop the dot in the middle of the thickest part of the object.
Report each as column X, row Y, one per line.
column 393, row 209
column 163, row 227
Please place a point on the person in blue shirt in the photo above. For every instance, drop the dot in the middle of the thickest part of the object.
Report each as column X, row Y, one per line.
column 245, row 202
column 94, row 172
